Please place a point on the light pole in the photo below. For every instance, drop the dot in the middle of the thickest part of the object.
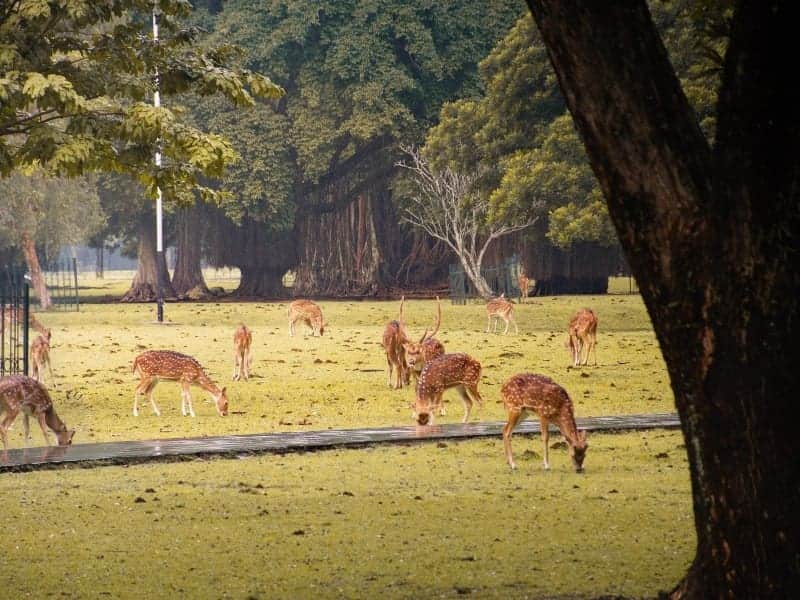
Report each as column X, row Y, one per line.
column 159, row 214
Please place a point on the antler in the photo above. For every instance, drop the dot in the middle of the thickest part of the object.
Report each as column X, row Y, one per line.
column 437, row 324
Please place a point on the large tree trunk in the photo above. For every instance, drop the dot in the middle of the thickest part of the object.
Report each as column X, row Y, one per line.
column 150, row 269
column 188, row 275
column 709, row 238
column 37, row 276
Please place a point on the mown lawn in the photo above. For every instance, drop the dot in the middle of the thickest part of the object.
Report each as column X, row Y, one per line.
column 430, row 520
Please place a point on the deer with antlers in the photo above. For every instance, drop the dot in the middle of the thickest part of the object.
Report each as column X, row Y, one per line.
column 40, row 357
column 523, row 282
column 156, row 365
column 393, row 341
column 500, row 308
column 537, row 393
column 418, row 354
column 459, row 371
column 243, row 358
column 583, row 334
column 307, row 312
column 19, row 393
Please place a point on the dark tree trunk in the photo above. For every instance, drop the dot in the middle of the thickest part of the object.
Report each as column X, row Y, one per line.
column 150, row 269
column 711, row 238
column 37, row 276
column 262, row 282
column 188, row 275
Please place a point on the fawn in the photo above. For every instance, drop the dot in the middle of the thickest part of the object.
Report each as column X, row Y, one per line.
column 528, row 392
column 583, row 333
column 243, row 358
column 40, row 357
column 500, row 308
column 426, row 349
column 309, row 313
column 155, row 365
column 25, row 394
column 460, row 371
column 523, row 282
column 393, row 342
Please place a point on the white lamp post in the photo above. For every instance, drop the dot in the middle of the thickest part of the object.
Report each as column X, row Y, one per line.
column 159, row 214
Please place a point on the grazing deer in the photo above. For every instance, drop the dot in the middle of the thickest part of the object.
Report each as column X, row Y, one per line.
column 528, row 392
column 309, row 313
column 154, row 365
column 13, row 314
column 460, row 371
column 40, row 357
column 25, row 394
column 426, row 349
column 523, row 282
column 583, row 333
column 243, row 359
column 393, row 342
column 500, row 308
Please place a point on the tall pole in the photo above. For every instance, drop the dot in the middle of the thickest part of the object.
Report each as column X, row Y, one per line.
column 159, row 213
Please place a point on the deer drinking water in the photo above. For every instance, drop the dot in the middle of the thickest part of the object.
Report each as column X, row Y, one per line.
column 307, row 312
column 500, row 308
column 460, row 371
column 243, row 358
column 418, row 354
column 40, row 357
column 583, row 334
column 19, row 393
column 528, row 392
column 156, row 365
column 393, row 343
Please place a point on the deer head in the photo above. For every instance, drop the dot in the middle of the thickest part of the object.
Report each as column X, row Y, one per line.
column 577, row 451
column 221, row 400
column 414, row 349
column 65, row 437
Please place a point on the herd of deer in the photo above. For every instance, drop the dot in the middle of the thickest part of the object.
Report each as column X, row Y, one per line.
column 434, row 371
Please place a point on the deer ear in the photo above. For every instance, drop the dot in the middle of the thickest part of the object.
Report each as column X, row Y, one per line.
column 223, row 390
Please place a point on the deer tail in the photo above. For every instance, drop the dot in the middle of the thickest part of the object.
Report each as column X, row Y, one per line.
column 135, row 365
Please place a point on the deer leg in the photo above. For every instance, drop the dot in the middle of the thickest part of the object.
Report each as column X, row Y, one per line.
column 246, row 364
column 26, row 427
column 42, row 423
column 141, row 388
column 514, row 416
column 50, row 371
column 516, row 329
column 462, row 391
column 235, row 366
column 151, row 385
column 545, row 426
column 185, row 386
column 488, row 323
column 476, row 396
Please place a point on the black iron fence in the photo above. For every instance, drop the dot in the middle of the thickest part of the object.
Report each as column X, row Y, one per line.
column 502, row 278
column 14, row 311
column 61, row 277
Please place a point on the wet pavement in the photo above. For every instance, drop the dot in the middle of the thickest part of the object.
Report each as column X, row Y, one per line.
column 135, row 451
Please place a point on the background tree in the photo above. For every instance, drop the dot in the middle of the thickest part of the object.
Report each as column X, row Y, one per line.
column 710, row 231
column 48, row 213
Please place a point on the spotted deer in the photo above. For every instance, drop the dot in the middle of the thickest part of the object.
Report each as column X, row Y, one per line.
column 583, row 334
column 528, row 392
column 307, row 312
column 459, row 371
column 156, row 365
column 40, row 358
column 426, row 349
column 500, row 308
column 243, row 358
column 19, row 393
column 524, row 283
column 393, row 342
column 13, row 315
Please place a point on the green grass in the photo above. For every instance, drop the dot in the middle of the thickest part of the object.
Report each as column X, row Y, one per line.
column 429, row 520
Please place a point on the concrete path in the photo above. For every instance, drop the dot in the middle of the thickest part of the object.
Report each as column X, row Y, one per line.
column 135, row 451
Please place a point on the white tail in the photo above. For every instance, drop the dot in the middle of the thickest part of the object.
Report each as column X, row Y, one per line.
column 243, row 358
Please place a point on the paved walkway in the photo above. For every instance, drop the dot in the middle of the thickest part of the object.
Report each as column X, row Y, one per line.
column 121, row 452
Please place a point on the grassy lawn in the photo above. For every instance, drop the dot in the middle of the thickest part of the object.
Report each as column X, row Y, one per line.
column 432, row 520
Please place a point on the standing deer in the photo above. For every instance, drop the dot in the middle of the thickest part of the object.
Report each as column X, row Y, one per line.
column 393, row 342
column 523, row 282
column 460, row 371
column 583, row 333
column 426, row 349
column 19, row 393
column 500, row 308
column 528, row 392
column 40, row 357
column 154, row 365
column 309, row 313
column 243, row 358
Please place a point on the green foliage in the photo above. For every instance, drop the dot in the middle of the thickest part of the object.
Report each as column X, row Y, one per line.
column 77, row 77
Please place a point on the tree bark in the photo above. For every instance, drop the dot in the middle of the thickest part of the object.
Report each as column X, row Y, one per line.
column 711, row 238
column 188, row 273
column 144, row 287
column 37, row 276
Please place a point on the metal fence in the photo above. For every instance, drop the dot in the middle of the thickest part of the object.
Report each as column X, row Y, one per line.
column 61, row 277
column 14, row 311
column 502, row 278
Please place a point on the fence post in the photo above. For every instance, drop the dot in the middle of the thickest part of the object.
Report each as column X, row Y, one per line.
column 75, row 274
column 27, row 302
